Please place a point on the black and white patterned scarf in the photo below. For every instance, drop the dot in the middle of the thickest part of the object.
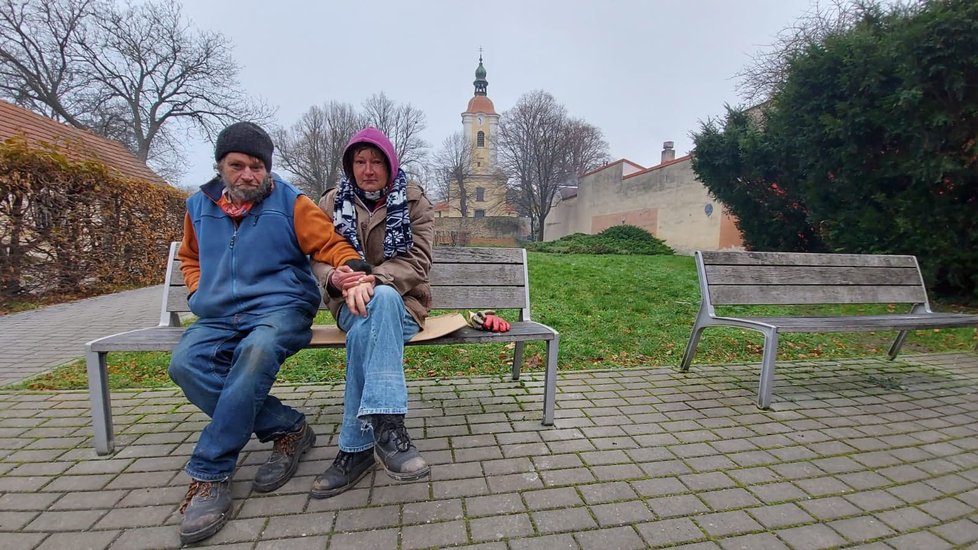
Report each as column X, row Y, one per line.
column 398, row 238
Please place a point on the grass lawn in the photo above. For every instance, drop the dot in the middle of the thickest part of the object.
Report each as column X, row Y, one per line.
column 611, row 311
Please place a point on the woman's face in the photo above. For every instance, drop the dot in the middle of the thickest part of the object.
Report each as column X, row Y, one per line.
column 370, row 170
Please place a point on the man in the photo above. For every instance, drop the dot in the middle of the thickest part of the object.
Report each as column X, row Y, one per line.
column 248, row 236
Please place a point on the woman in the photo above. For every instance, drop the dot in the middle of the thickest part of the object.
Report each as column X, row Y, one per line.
column 390, row 223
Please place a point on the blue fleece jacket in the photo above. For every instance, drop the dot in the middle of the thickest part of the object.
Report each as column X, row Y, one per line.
column 255, row 267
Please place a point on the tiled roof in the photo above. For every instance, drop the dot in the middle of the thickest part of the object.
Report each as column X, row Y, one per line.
column 36, row 128
column 481, row 104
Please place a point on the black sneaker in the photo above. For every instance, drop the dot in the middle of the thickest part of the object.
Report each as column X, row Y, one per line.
column 205, row 510
column 393, row 448
column 346, row 471
column 283, row 463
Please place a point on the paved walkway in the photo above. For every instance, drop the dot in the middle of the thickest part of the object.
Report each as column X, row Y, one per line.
column 859, row 453
column 37, row 341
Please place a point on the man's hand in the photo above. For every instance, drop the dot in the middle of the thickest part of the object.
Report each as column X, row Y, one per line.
column 359, row 294
column 344, row 278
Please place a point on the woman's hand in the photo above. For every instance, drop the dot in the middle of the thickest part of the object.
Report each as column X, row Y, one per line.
column 359, row 294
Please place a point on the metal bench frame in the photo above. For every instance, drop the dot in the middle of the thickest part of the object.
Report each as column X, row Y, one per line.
column 461, row 278
column 783, row 278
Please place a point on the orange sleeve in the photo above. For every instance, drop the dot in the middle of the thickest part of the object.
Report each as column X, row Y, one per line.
column 189, row 255
column 317, row 236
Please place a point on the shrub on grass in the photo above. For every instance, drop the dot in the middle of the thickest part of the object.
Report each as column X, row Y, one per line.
column 618, row 239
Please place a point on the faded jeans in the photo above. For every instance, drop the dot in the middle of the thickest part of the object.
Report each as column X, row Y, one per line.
column 226, row 366
column 374, row 365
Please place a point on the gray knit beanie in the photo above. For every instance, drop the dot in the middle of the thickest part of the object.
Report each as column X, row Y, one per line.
column 247, row 138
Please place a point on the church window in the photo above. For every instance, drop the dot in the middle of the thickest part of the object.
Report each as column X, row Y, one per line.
column 480, row 194
column 480, row 139
column 480, row 213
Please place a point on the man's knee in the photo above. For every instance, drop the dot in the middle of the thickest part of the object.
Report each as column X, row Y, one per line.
column 386, row 296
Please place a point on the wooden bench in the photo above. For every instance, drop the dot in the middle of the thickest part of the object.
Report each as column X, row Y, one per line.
column 781, row 278
column 461, row 278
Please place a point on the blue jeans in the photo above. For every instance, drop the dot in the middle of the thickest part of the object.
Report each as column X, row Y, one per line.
column 374, row 365
column 226, row 366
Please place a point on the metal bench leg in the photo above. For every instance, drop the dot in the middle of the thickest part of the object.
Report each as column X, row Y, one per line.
column 517, row 360
column 897, row 344
column 550, row 382
column 98, row 391
column 694, row 340
column 767, row 369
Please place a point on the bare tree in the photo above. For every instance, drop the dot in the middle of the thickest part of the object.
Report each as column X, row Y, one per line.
column 543, row 150
column 766, row 71
column 403, row 124
column 135, row 73
column 452, row 168
column 313, row 148
column 586, row 149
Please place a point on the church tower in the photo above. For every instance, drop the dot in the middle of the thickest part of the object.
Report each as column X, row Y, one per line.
column 485, row 185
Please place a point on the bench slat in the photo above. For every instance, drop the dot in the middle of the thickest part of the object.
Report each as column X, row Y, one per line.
column 808, row 295
column 446, row 297
column 806, row 258
column 868, row 323
column 811, row 276
column 442, row 273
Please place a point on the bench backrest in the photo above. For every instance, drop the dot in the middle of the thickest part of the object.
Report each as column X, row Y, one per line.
column 461, row 278
column 791, row 278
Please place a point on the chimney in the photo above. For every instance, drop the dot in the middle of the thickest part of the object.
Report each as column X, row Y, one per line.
column 668, row 153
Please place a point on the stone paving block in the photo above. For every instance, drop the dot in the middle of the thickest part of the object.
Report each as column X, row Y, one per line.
column 67, row 520
column 677, row 505
column 357, row 497
column 552, row 498
column 622, row 513
column 15, row 521
column 302, row 543
column 299, row 526
column 551, row 542
column 431, row 511
column 500, row 527
column 125, row 518
column 621, row 538
column 756, row 541
column 494, row 504
column 27, row 501
column 670, row 532
column 914, row 493
column 570, row 476
column 369, row 518
column 960, row 532
column 509, row 466
column 563, row 520
column 727, row 523
column 260, row 506
column 946, row 509
column 861, row 529
column 707, row 481
column 916, row 541
column 779, row 516
column 433, row 535
column 365, row 540
column 822, row 486
column 25, row 541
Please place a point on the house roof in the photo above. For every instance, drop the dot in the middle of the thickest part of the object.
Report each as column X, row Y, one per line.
column 78, row 143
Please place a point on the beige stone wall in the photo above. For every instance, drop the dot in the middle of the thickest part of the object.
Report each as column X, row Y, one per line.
column 667, row 201
column 489, row 231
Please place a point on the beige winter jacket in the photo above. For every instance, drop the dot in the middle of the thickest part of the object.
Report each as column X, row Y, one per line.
column 407, row 273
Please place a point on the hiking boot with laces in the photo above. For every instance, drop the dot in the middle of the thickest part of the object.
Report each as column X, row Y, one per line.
column 393, row 448
column 285, row 459
column 346, row 471
column 205, row 509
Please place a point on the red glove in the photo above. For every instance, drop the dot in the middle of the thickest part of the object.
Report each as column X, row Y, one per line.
column 487, row 320
column 493, row 323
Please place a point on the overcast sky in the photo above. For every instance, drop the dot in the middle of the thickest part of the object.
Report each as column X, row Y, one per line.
column 643, row 71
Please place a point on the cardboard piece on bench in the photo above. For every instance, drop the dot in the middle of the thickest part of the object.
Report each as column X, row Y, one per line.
column 438, row 325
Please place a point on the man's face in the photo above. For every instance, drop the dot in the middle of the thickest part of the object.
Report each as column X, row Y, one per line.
column 370, row 169
column 244, row 177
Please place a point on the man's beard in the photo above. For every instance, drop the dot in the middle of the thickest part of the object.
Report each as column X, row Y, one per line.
column 249, row 195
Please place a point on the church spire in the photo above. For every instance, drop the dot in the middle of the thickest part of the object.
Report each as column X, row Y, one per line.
column 480, row 78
